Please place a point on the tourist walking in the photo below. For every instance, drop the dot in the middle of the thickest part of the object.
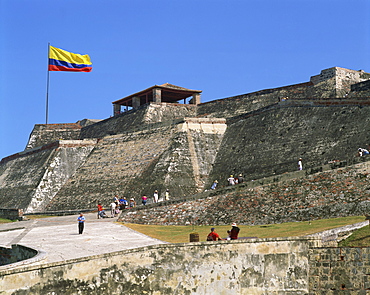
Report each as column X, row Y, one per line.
column 144, row 199
column 214, row 184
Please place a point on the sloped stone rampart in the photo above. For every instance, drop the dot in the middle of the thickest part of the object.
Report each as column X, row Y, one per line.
column 20, row 177
column 30, row 180
column 330, row 194
column 110, row 169
column 258, row 266
column 270, row 142
column 138, row 163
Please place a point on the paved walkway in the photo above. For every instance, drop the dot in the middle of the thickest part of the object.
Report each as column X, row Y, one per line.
column 59, row 238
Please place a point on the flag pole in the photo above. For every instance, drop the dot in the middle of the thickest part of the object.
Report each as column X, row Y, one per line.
column 47, row 87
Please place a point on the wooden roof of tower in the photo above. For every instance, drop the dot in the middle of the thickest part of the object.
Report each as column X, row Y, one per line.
column 170, row 93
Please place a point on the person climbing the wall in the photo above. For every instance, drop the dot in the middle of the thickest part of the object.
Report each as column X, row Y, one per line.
column 214, row 184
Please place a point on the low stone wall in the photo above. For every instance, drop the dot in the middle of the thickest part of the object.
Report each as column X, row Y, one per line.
column 12, row 214
column 260, row 266
column 339, row 271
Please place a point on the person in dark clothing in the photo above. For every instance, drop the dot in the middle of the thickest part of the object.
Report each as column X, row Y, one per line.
column 240, row 179
column 234, row 231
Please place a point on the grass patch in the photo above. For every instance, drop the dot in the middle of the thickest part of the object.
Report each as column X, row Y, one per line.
column 3, row 220
column 359, row 238
column 180, row 234
column 38, row 216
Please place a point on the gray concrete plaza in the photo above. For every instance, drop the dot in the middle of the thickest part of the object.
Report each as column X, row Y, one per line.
column 58, row 237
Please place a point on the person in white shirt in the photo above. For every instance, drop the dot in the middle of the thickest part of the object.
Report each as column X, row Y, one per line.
column 113, row 209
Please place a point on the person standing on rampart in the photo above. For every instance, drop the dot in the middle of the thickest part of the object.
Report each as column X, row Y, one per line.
column 231, row 180
column 300, row 164
column 132, row 203
column 144, row 199
column 167, row 195
column 214, row 184
column 240, row 178
column 155, row 196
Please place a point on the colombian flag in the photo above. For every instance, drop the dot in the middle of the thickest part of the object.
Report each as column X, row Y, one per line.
column 61, row 60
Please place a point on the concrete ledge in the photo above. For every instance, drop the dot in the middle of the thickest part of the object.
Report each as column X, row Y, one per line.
column 39, row 256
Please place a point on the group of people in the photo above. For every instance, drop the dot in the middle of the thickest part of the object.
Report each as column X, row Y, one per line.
column 144, row 198
column 116, row 206
column 232, row 234
column 235, row 180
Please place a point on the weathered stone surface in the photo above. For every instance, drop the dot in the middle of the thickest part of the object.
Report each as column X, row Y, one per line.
column 44, row 134
column 32, row 179
column 337, row 193
column 270, row 142
column 339, row 270
column 158, row 146
column 261, row 266
column 134, row 120
column 138, row 163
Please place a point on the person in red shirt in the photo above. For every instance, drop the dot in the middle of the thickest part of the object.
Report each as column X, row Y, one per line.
column 213, row 236
column 101, row 212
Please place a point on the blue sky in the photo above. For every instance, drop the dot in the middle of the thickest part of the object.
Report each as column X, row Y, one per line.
column 223, row 48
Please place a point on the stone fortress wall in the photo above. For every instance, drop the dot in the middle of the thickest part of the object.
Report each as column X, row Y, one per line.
column 184, row 148
column 260, row 134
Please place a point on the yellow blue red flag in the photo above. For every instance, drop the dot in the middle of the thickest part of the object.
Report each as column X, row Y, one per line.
column 61, row 60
